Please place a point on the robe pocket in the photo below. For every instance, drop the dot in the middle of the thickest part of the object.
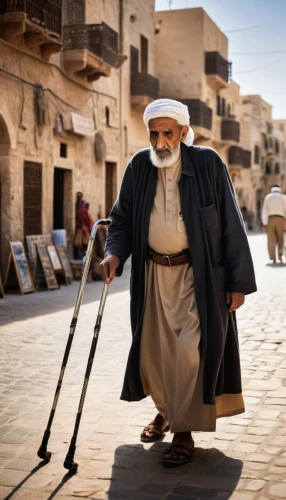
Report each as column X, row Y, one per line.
column 209, row 216
column 181, row 228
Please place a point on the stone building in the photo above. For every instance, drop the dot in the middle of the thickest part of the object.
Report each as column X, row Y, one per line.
column 75, row 77
column 69, row 108
column 265, row 139
column 193, row 67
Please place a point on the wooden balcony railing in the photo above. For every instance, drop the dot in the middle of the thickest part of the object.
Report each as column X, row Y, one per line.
column 215, row 64
column 235, row 154
column 246, row 158
column 200, row 113
column 45, row 13
column 230, row 130
column 239, row 156
column 146, row 85
column 99, row 39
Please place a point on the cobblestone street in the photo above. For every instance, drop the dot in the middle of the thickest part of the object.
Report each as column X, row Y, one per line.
column 244, row 460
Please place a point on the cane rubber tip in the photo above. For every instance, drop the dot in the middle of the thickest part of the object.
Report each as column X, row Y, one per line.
column 44, row 455
column 71, row 466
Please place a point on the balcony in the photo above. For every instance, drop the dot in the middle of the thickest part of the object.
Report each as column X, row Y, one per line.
column 218, row 70
column 238, row 158
column 246, row 158
column 235, row 157
column 90, row 50
column 38, row 21
column 144, row 90
column 200, row 118
column 230, row 130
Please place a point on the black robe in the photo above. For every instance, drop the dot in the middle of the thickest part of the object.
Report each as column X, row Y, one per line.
column 220, row 255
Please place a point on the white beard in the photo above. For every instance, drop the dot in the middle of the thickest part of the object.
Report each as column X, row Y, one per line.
column 169, row 161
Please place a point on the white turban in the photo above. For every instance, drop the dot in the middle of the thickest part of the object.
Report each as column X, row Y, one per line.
column 275, row 189
column 169, row 108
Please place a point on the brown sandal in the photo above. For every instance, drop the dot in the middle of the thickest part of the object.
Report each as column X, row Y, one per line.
column 156, row 430
column 178, row 455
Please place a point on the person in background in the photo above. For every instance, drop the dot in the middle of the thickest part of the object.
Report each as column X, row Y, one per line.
column 273, row 217
column 79, row 201
column 78, row 230
column 84, row 225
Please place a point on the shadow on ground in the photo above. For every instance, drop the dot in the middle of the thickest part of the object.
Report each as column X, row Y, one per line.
column 209, row 474
column 138, row 474
column 17, row 307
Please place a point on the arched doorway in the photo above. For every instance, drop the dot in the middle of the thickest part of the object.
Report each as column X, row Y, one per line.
column 5, row 209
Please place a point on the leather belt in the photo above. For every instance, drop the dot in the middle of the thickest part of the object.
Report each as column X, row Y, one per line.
column 277, row 216
column 177, row 259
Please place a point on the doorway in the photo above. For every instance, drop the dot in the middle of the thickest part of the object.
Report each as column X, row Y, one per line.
column 110, row 186
column 63, row 206
column 32, row 198
column 58, row 222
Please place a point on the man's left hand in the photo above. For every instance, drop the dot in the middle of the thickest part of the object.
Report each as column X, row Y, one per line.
column 235, row 299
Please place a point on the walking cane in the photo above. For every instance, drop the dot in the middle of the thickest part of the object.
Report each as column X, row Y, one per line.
column 42, row 451
column 69, row 461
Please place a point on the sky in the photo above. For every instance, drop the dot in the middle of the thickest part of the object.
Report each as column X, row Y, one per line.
column 252, row 27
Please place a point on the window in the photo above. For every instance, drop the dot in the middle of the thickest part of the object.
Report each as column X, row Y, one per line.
column 277, row 147
column 63, row 150
column 218, row 105
column 256, row 155
column 277, row 168
column 268, row 168
column 107, row 116
column 134, row 60
column 223, row 106
column 144, row 55
column 74, row 12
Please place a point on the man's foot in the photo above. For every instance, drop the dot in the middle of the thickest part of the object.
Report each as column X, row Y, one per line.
column 180, row 452
column 155, row 430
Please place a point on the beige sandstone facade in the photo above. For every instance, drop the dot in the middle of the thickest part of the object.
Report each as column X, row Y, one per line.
column 69, row 116
column 265, row 139
column 192, row 66
column 73, row 87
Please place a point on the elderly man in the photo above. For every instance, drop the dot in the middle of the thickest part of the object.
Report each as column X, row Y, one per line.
column 273, row 219
column 191, row 267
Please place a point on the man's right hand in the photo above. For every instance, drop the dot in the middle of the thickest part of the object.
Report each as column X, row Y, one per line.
column 108, row 268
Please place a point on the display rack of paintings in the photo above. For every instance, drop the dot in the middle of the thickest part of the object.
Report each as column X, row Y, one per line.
column 18, row 274
column 65, row 264
column 31, row 242
column 56, row 264
column 44, row 263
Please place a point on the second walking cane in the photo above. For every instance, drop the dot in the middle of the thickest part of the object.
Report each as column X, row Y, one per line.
column 43, row 452
column 69, row 461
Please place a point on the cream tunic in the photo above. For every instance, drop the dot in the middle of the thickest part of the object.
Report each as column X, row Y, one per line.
column 170, row 366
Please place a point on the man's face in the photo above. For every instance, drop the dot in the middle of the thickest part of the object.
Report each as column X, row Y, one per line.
column 165, row 137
